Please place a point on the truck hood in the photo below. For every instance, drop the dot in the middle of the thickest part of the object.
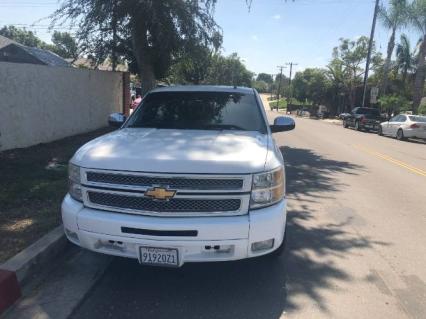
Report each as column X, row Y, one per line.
column 176, row 151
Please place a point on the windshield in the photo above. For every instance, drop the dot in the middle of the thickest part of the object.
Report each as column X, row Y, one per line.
column 199, row 111
column 368, row 111
column 418, row 118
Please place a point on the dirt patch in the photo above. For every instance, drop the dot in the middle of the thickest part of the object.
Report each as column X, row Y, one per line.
column 32, row 185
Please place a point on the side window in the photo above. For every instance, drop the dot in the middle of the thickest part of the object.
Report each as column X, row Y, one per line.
column 355, row 110
column 402, row 118
column 394, row 119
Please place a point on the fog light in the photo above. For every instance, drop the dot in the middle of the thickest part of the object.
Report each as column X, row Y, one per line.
column 72, row 236
column 262, row 245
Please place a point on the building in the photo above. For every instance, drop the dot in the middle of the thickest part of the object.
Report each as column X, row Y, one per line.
column 11, row 51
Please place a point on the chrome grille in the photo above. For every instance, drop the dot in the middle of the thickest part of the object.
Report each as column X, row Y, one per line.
column 144, row 204
column 171, row 182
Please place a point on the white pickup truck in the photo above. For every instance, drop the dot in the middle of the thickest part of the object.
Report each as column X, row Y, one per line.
column 193, row 175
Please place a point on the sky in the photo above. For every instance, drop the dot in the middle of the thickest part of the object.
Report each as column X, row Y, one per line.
column 271, row 33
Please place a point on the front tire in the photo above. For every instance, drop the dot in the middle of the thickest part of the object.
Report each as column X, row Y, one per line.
column 380, row 130
column 400, row 135
column 345, row 124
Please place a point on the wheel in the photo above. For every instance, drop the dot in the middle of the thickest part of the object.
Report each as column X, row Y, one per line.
column 345, row 124
column 357, row 126
column 380, row 131
column 400, row 135
column 280, row 250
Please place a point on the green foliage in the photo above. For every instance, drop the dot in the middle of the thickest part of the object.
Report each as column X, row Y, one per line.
column 64, row 45
column 395, row 15
column 405, row 60
column 148, row 34
column 191, row 68
column 393, row 102
column 265, row 77
column 311, row 84
column 228, row 71
column 261, row 86
column 21, row 36
column 206, row 67
column 282, row 104
column 422, row 109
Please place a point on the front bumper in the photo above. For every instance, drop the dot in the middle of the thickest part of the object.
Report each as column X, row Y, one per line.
column 101, row 231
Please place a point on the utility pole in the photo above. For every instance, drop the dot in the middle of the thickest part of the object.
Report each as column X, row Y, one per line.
column 114, row 37
column 370, row 48
column 279, row 83
column 289, row 82
column 272, row 84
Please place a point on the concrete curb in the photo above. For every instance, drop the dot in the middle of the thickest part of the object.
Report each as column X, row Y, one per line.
column 20, row 268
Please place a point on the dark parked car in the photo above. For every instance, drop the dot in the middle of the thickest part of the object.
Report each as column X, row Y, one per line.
column 363, row 118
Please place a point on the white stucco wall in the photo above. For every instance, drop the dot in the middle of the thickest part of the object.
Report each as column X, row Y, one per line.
column 40, row 104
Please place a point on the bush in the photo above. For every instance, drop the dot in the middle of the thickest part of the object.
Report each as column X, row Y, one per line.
column 395, row 103
column 422, row 109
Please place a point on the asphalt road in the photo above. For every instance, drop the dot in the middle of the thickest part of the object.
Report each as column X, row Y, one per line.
column 356, row 243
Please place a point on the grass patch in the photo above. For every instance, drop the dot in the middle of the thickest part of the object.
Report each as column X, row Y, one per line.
column 282, row 104
column 32, row 185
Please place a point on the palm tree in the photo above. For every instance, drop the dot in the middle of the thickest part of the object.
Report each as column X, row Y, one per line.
column 404, row 57
column 417, row 15
column 392, row 18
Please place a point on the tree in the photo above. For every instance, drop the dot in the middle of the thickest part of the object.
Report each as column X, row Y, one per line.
column 191, row 67
column 392, row 18
column 394, row 103
column 417, row 16
column 21, row 36
column 261, row 86
column 311, row 84
column 352, row 55
column 228, row 71
column 265, row 77
column 339, row 79
column 404, row 57
column 150, row 34
column 64, row 45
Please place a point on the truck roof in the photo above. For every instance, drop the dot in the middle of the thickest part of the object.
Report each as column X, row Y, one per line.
column 204, row 88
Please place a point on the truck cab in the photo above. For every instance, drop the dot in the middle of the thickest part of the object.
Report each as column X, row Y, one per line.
column 193, row 175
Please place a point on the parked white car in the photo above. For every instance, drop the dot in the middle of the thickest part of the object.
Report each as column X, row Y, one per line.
column 404, row 126
column 193, row 175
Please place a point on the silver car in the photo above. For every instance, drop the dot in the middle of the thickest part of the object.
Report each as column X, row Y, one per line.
column 404, row 126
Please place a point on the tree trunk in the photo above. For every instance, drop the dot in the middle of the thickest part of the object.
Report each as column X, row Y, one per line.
column 142, row 55
column 419, row 81
column 391, row 46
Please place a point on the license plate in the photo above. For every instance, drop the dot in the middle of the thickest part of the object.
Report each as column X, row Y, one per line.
column 158, row 256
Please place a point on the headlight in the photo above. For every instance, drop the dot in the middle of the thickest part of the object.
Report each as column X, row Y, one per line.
column 75, row 182
column 267, row 188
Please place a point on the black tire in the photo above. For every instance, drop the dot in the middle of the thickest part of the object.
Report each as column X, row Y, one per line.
column 400, row 135
column 357, row 126
column 345, row 124
column 281, row 249
column 380, row 131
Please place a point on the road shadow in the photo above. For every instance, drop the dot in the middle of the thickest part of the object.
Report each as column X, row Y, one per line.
column 313, row 176
column 259, row 288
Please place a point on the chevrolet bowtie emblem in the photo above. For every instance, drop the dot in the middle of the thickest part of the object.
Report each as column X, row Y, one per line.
column 160, row 193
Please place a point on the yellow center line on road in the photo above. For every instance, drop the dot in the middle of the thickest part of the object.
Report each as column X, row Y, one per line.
column 413, row 169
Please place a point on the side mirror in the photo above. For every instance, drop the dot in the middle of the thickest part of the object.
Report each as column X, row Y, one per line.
column 282, row 124
column 116, row 119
